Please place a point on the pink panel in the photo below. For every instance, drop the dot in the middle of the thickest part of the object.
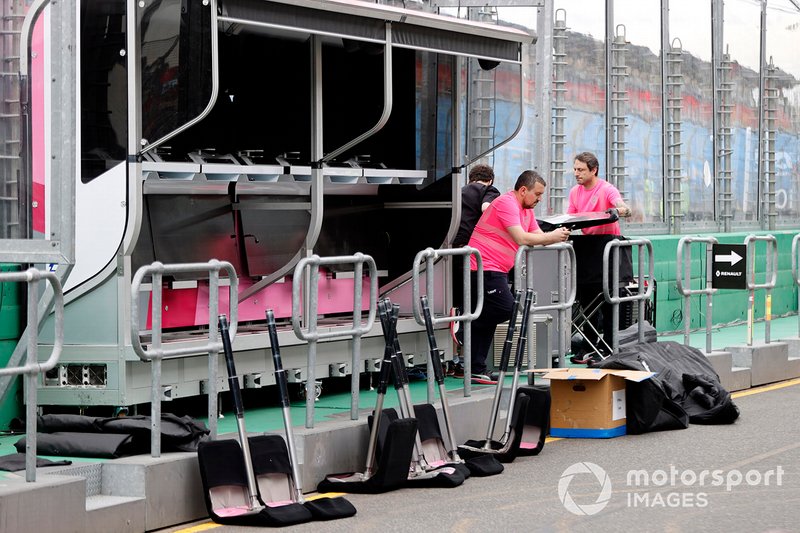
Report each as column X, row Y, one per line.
column 178, row 308
column 38, row 125
column 189, row 307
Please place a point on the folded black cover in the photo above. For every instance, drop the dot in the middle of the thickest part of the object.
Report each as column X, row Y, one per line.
column 181, row 434
column 16, row 461
column 71, row 444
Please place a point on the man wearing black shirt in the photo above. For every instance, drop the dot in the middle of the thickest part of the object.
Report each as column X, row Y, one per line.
column 475, row 198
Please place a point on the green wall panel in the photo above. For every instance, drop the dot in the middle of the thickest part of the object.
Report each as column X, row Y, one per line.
column 729, row 305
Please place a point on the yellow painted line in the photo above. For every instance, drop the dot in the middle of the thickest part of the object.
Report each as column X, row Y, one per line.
column 325, row 495
column 199, row 527
column 766, row 388
column 552, row 439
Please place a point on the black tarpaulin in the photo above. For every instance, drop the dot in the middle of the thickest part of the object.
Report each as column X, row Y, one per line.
column 87, row 436
column 685, row 388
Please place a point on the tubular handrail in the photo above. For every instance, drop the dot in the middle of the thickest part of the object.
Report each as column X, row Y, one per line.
column 155, row 354
column 31, row 276
column 33, row 367
column 567, row 286
column 613, row 247
column 312, row 335
column 684, row 263
column 158, row 270
column 429, row 256
column 796, row 274
column 770, row 279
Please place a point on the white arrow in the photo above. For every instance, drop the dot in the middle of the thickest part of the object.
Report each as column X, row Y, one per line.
column 733, row 258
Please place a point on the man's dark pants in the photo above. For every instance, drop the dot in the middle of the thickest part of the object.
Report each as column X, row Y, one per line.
column 497, row 304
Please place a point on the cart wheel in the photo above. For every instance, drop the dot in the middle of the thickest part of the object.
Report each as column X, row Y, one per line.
column 301, row 392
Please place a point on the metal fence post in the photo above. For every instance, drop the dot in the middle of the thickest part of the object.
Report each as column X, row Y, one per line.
column 614, row 246
column 796, row 275
column 770, row 278
column 156, row 353
column 32, row 367
column 312, row 335
column 684, row 281
column 567, row 286
column 429, row 255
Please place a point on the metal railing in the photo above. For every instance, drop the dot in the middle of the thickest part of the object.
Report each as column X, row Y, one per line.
column 723, row 145
column 770, row 278
column 312, row 335
column 769, row 134
column 33, row 367
column 558, row 162
column 796, row 274
column 684, row 263
column 567, row 287
column 618, row 120
column 429, row 256
column 613, row 248
column 673, row 143
column 156, row 353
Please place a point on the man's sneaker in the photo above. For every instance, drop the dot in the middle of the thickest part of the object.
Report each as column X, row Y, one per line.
column 594, row 361
column 483, row 379
column 588, row 358
column 582, row 358
column 458, row 371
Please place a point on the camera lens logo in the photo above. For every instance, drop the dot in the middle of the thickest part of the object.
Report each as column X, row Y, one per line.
column 590, row 508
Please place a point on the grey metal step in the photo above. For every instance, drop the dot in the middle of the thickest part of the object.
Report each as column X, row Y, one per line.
column 721, row 361
column 794, row 367
column 120, row 514
column 737, row 379
column 768, row 363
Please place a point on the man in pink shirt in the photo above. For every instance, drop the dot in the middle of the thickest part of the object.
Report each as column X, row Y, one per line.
column 507, row 224
column 592, row 194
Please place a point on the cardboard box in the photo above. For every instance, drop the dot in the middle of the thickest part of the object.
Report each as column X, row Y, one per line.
column 589, row 402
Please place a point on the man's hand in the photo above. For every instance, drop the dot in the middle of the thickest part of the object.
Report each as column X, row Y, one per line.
column 613, row 211
column 558, row 235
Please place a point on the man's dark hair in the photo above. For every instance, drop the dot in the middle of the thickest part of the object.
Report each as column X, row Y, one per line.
column 590, row 159
column 481, row 173
column 528, row 179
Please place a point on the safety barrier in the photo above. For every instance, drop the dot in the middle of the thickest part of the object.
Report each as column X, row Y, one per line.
column 429, row 256
column 33, row 367
column 613, row 248
column 312, row 335
column 567, row 287
column 796, row 274
column 684, row 282
column 770, row 276
column 155, row 353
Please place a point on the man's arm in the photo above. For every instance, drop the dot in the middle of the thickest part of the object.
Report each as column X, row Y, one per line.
column 536, row 238
column 622, row 208
column 488, row 197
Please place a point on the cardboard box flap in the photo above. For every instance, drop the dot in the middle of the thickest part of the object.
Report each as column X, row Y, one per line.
column 595, row 374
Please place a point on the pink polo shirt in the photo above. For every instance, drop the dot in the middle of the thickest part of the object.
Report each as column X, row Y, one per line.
column 491, row 236
column 597, row 199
